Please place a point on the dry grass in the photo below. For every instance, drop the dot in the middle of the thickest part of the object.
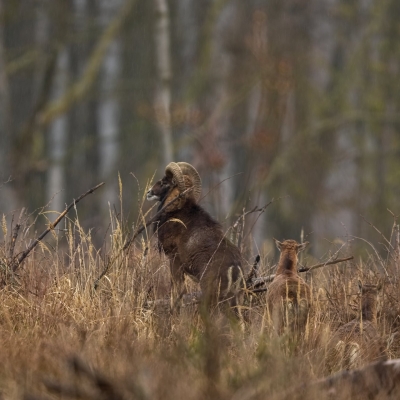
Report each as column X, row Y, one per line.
column 59, row 338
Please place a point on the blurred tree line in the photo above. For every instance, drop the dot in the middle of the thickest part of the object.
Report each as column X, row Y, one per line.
column 295, row 100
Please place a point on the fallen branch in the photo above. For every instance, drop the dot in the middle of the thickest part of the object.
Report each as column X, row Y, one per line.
column 194, row 298
column 105, row 388
column 188, row 299
column 254, row 270
column 265, row 279
column 315, row 266
column 51, row 227
column 377, row 380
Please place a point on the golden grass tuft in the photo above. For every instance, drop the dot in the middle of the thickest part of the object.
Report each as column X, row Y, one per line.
column 60, row 338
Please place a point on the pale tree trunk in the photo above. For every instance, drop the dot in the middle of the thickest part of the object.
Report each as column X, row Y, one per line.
column 8, row 197
column 232, row 122
column 221, row 66
column 108, row 115
column 324, row 48
column 163, row 91
column 81, row 119
column 187, row 25
column 256, row 223
column 58, row 131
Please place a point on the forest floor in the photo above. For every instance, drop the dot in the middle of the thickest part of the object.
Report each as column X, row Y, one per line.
column 61, row 338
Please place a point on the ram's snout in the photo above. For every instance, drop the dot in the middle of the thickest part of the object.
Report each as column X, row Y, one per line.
column 151, row 196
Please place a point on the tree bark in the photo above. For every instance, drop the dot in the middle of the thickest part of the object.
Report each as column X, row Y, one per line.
column 163, row 92
column 108, row 112
column 58, row 132
column 380, row 380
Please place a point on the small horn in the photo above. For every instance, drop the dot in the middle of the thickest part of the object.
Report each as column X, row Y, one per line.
column 189, row 170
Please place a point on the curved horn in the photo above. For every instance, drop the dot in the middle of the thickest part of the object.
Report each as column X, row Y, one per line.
column 175, row 170
column 189, row 170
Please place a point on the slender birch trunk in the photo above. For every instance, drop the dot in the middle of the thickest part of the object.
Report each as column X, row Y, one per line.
column 58, row 132
column 58, row 129
column 108, row 120
column 108, row 115
column 163, row 91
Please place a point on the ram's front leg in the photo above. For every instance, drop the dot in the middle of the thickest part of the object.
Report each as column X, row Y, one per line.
column 178, row 282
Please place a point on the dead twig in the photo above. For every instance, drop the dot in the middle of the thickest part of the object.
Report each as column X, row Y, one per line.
column 104, row 385
column 7, row 181
column 377, row 380
column 315, row 266
column 377, row 230
column 188, row 299
column 152, row 219
column 219, row 183
column 265, row 279
column 14, row 238
column 52, row 226
column 105, row 388
column 138, row 231
column 260, row 212
column 253, row 273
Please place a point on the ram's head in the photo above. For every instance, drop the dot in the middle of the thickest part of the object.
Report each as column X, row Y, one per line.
column 178, row 178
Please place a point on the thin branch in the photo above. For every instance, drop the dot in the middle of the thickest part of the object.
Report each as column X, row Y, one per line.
column 219, row 183
column 52, row 226
column 82, row 87
column 14, row 237
column 265, row 279
column 7, row 181
column 152, row 219
column 194, row 298
column 261, row 211
column 315, row 266
column 138, row 231
column 376, row 253
column 253, row 273
column 377, row 230
column 243, row 215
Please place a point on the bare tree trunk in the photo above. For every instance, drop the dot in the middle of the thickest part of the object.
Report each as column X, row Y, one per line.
column 163, row 91
column 4, row 89
column 108, row 112
column 8, row 198
column 56, row 181
column 108, row 119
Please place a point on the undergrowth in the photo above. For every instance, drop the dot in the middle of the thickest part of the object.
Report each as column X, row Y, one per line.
column 61, row 338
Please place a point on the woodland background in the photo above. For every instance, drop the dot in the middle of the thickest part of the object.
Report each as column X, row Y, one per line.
column 297, row 100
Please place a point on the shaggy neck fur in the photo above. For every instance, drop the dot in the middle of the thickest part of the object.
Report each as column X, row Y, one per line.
column 369, row 306
column 186, row 214
column 287, row 262
column 171, row 195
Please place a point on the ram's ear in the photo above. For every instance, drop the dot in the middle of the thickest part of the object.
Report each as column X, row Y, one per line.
column 278, row 244
column 300, row 247
column 360, row 286
column 170, row 176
